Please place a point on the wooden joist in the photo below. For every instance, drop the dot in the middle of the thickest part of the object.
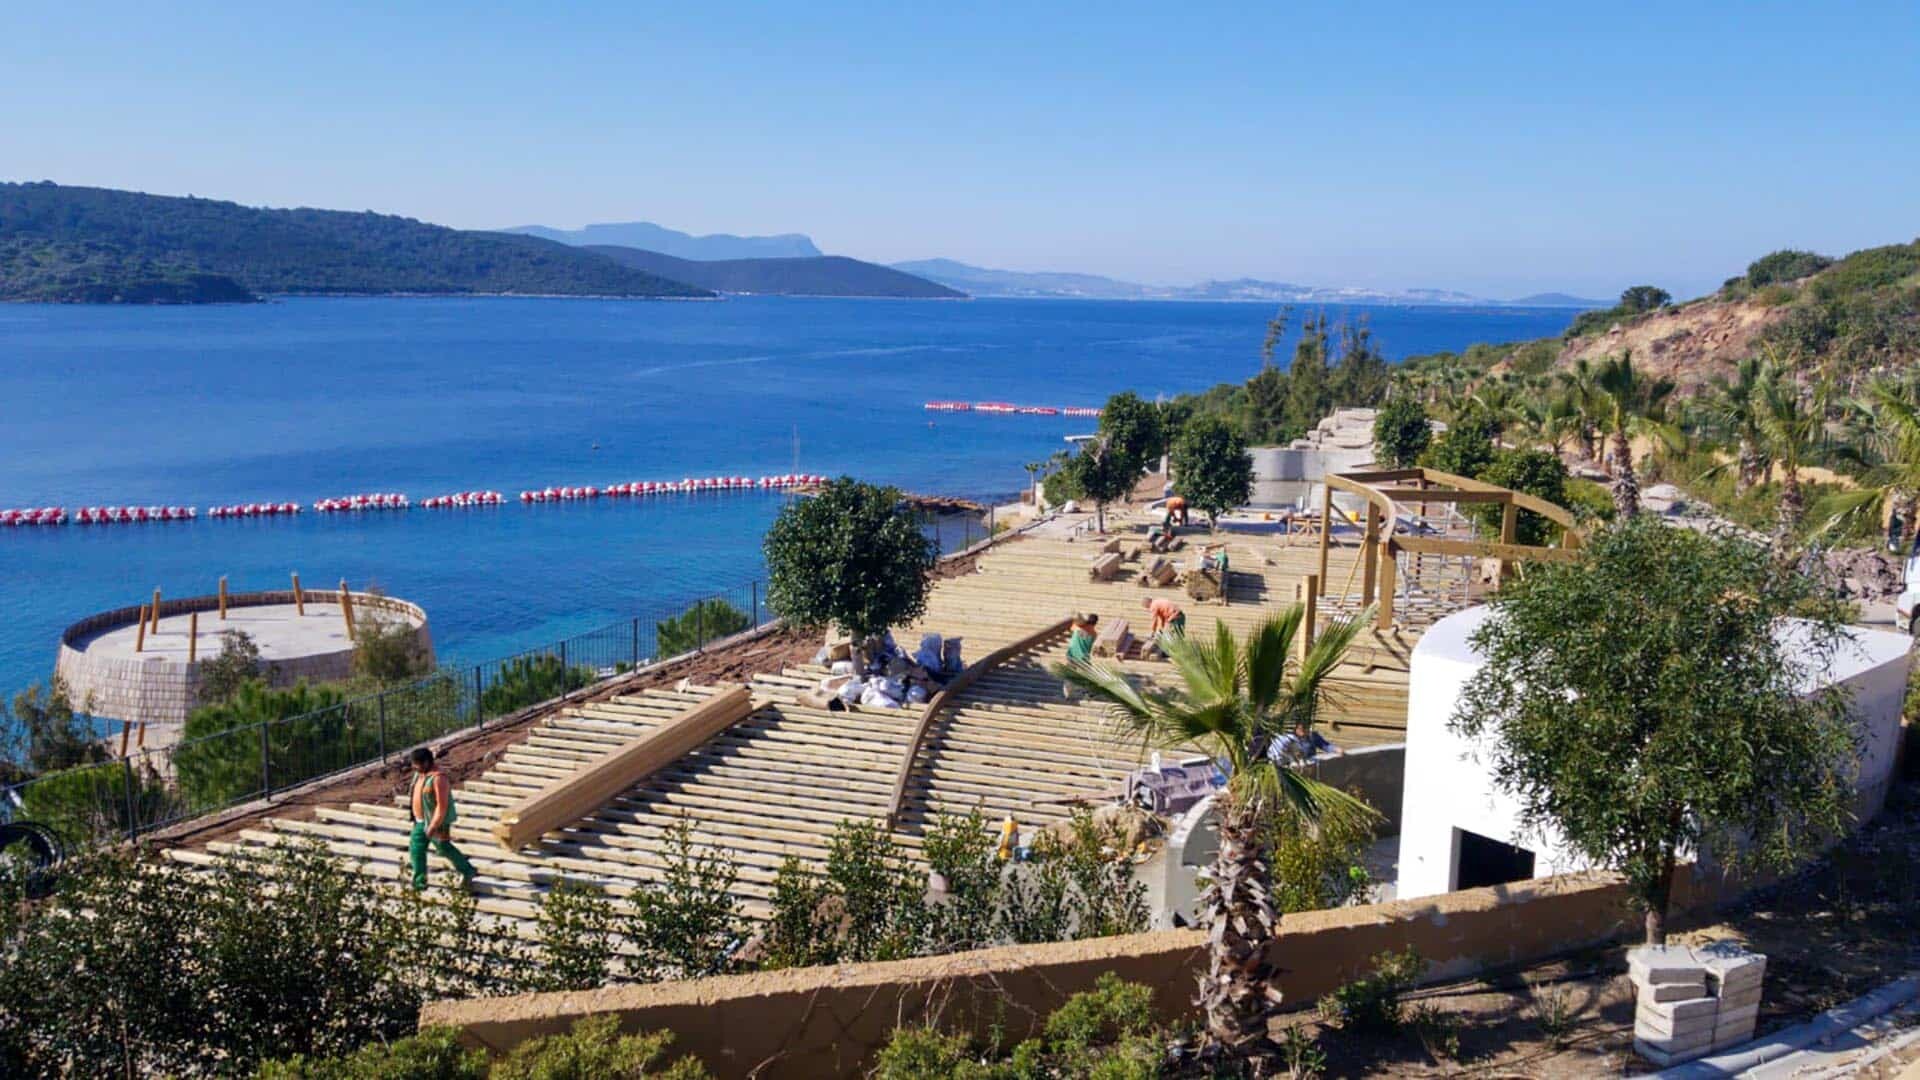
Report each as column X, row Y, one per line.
column 570, row 798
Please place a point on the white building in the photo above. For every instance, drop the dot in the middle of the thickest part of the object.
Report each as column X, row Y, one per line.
column 1459, row 831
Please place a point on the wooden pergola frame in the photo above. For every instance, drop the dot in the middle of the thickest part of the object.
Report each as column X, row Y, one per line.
column 1385, row 489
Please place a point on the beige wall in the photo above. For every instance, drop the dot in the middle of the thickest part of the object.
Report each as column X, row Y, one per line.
column 821, row 1022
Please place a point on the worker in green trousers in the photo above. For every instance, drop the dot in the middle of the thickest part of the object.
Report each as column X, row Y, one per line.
column 433, row 818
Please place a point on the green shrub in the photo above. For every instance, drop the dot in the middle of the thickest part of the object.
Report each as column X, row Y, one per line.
column 434, row 1054
column 1539, row 473
column 595, row 1050
column 687, row 925
column 386, row 649
column 1401, row 431
column 1784, row 266
column 705, row 621
column 1107, row 1033
column 918, row 1052
column 1588, row 500
column 1464, row 449
column 236, row 664
column 304, row 730
column 577, row 944
column 1317, row 868
column 530, row 680
column 89, row 804
column 1372, row 1003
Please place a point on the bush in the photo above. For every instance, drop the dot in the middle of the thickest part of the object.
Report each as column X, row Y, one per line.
column 237, row 664
column 1465, row 449
column 688, row 925
column 530, row 680
column 1211, row 467
column 1539, row 473
column 386, row 650
column 595, row 1050
column 88, row 804
column 576, row 938
column 705, row 621
column 1372, row 1004
column 1107, row 1033
column 1317, row 868
column 1588, row 500
column 434, row 1054
column 55, row 736
column 306, row 733
column 1784, row 266
column 1401, row 431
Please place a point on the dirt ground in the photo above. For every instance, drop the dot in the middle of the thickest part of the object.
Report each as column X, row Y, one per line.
column 1847, row 925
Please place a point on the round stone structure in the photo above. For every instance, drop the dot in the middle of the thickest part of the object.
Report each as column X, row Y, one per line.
column 155, row 685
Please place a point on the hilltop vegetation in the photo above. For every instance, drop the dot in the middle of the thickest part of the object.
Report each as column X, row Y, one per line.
column 95, row 245
column 821, row 275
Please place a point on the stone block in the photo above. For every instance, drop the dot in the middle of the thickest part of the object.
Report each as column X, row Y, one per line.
column 1740, row 998
column 1671, row 1011
column 1742, row 1018
column 1680, row 991
column 1664, row 1054
column 1730, row 967
column 1650, row 1024
column 1651, row 965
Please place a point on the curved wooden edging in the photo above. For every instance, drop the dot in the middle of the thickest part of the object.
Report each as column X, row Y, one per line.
column 945, row 698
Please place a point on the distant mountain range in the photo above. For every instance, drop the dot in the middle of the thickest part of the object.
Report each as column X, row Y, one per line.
column 96, row 245
column 824, row 275
column 647, row 236
column 980, row 281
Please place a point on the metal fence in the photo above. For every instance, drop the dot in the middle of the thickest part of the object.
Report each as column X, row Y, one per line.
column 150, row 789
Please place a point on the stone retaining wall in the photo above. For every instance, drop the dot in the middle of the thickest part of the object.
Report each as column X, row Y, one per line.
column 828, row 1021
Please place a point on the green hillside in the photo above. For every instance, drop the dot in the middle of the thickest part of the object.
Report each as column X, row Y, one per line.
column 95, row 245
column 820, row 275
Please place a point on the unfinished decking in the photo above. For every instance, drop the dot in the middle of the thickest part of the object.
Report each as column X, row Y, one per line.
column 777, row 783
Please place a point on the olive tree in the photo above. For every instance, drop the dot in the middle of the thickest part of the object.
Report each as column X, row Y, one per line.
column 1213, row 469
column 1103, row 472
column 852, row 557
column 1644, row 702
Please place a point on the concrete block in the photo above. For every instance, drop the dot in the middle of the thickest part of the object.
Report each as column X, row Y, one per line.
column 1672, row 1011
column 1663, row 1055
column 1649, row 1025
column 1680, row 991
column 1731, row 967
column 1743, row 1017
column 1736, row 999
column 1651, row 965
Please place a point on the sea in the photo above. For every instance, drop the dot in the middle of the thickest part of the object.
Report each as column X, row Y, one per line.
column 308, row 398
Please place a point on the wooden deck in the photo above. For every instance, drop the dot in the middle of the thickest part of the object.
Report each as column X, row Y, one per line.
column 777, row 783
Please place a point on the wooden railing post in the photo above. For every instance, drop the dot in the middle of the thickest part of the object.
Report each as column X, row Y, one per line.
column 1369, row 552
column 1509, row 527
column 1310, row 618
column 299, row 598
column 223, row 598
column 140, row 634
column 346, row 607
column 1385, row 621
column 156, row 611
column 193, row 636
column 1326, row 527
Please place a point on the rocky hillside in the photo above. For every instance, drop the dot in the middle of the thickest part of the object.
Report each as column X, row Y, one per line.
column 1689, row 344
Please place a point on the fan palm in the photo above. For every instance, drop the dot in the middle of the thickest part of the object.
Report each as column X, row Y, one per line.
column 1887, row 447
column 1733, row 406
column 1579, row 397
column 1631, row 404
column 1793, row 429
column 1235, row 699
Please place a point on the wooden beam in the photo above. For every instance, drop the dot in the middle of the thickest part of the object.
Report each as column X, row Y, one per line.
column 140, row 636
column 156, row 611
column 346, row 607
column 193, row 635
column 944, row 700
column 1309, row 619
column 1376, row 476
column 571, row 798
column 299, row 598
column 1509, row 523
column 1326, row 530
column 1369, row 551
column 1442, row 495
column 1387, row 566
column 1484, row 549
column 223, row 598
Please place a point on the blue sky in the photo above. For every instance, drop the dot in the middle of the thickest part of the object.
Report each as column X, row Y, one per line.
column 1493, row 148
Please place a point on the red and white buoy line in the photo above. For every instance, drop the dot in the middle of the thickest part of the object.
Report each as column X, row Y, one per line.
column 672, row 487
column 347, row 504
column 1007, row 408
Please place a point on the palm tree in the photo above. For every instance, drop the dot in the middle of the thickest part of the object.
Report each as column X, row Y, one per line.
column 1793, row 429
column 1580, row 398
column 1886, row 446
column 1033, row 482
column 1236, row 699
column 1630, row 404
column 1733, row 406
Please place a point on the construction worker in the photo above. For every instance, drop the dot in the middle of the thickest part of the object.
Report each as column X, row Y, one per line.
column 433, row 818
column 1166, row 618
column 1176, row 509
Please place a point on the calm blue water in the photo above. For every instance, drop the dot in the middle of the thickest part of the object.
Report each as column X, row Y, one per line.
column 308, row 398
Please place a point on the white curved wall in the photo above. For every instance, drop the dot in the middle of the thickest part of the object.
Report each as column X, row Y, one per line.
column 1449, row 787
